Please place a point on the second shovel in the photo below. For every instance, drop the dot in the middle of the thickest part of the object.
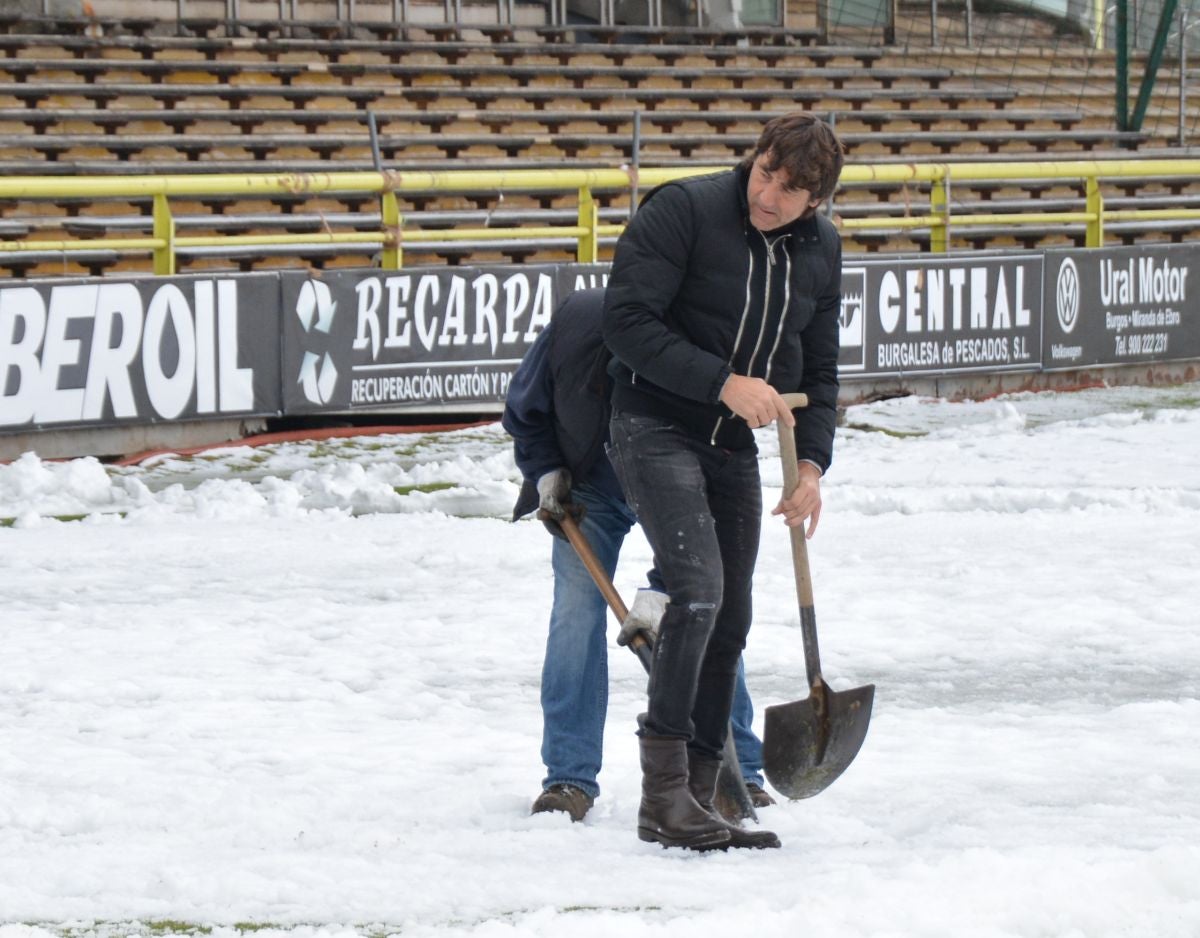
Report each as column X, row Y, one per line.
column 808, row 743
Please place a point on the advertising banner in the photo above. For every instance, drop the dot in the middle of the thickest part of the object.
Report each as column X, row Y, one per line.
column 926, row 315
column 98, row 352
column 375, row 339
column 108, row 352
column 1121, row 306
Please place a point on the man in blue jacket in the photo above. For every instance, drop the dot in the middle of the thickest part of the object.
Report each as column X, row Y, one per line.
column 557, row 412
column 724, row 293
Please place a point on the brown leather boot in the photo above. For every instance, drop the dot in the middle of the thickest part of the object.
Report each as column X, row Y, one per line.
column 702, row 781
column 669, row 814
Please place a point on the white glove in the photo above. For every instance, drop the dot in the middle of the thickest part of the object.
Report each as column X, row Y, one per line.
column 647, row 611
column 554, row 490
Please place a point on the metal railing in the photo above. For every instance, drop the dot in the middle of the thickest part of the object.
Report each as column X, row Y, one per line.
column 393, row 233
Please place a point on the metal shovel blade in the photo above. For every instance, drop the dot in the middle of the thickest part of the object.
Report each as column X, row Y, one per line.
column 808, row 743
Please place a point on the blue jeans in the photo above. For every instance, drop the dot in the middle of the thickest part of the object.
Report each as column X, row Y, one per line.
column 741, row 719
column 701, row 509
column 575, row 669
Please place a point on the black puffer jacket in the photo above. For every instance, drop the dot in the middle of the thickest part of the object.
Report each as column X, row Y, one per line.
column 697, row 293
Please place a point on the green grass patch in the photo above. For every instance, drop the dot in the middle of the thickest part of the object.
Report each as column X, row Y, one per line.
column 899, row 434
column 402, row 452
column 155, row 929
column 426, row 487
column 9, row 522
column 173, row 927
column 1180, row 403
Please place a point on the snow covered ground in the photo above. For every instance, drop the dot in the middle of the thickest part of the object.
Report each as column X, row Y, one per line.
column 293, row 690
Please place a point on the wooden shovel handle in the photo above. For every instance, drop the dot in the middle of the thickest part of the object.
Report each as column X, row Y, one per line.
column 791, row 479
column 592, row 563
column 804, row 589
column 639, row 645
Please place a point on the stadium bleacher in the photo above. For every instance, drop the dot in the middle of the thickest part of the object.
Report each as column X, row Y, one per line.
column 145, row 95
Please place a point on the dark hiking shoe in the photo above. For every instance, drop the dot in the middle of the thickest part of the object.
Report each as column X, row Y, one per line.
column 758, row 797
column 566, row 798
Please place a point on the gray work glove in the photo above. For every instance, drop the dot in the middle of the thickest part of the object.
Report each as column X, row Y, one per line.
column 554, row 500
column 554, row 491
column 647, row 611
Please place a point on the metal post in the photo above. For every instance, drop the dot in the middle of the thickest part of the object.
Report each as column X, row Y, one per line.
column 833, row 125
column 164, row 230
column 970, row 23
column 1183, row 28
column 1152, row 63
column 1095, row 208
column 637, row 149
column 939, row 204
column 393, row 252
column 1122, row 65
column 588, row 251
column 376, row 157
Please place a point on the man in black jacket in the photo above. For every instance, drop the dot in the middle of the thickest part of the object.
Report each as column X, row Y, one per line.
column 724, row 293
column 557, row 412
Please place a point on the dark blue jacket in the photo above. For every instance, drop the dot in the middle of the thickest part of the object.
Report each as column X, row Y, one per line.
column 557, row 407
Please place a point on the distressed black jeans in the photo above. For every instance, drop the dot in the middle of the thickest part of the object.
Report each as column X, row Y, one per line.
column 701, row 509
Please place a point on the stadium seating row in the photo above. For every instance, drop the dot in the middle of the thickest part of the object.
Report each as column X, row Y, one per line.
column 24, row 45
column 558, row 120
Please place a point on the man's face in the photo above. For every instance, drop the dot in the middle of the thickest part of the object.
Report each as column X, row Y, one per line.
column 772, row 203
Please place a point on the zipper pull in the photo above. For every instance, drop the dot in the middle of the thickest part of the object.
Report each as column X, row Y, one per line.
column 770, row 249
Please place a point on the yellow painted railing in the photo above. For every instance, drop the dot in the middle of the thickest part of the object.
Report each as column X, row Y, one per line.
column 164, row 241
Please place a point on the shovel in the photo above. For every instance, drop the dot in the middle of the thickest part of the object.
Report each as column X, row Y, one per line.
column 730, row 784
column 808, row 743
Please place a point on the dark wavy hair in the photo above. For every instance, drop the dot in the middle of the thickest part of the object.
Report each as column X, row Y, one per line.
column 805, row 148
